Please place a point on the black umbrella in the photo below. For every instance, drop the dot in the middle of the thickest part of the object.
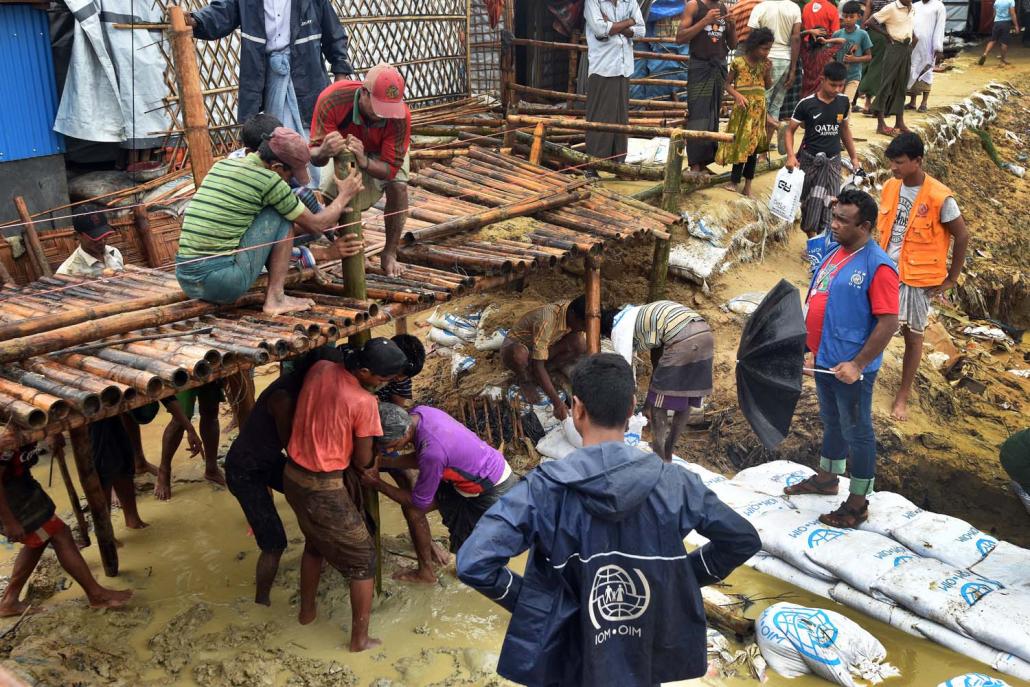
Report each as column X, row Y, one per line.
column 769, row 361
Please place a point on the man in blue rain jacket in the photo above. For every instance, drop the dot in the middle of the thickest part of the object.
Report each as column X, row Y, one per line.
column 610, row 595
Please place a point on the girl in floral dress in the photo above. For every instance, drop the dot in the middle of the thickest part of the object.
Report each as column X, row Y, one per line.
column 748, row 79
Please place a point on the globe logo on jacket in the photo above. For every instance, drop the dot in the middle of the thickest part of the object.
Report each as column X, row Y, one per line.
column 616, row 597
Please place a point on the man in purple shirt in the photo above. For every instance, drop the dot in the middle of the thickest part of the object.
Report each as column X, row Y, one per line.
column 458, row 473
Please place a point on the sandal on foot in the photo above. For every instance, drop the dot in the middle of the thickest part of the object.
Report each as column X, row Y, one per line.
column 890, row 132
column 845, row 517
column 813, row 485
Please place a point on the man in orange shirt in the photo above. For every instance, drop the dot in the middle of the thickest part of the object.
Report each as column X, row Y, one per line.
column 918, row 220
column 336, row 420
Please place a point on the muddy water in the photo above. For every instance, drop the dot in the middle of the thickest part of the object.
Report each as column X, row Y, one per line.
column 194, row 621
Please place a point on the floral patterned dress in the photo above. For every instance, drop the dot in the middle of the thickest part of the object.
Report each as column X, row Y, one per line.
column 746, row 124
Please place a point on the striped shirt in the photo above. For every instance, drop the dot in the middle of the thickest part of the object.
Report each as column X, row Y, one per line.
column 337, row 110
column 401, row 388
column 225, row 205
column 658, row 323
column 541, row 328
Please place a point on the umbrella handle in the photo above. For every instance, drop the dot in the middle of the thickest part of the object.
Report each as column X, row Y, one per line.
column 827, row 372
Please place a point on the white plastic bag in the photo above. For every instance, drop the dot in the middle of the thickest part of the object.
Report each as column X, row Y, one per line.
column 934, row 590
column 795, row 640
column 1001, row 620
column 554, row 445
column 1008, row 564
column 949, row 539
column 888, row 511
column 634, row 430
column 571, row 435
column 786, row 195
column 974, row 680
column 790, row 534
column 860, row 558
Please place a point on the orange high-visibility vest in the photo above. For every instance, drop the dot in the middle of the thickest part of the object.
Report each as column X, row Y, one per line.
column 924, row 252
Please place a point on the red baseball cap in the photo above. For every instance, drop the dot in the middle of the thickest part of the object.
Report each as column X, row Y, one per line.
column 292, row 150
column 386, row 86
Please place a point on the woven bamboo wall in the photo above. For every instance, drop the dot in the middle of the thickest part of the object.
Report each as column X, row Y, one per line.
column 425, row 39
column 485, row 51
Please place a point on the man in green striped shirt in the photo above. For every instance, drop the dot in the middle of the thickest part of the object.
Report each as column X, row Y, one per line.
column 242, row 218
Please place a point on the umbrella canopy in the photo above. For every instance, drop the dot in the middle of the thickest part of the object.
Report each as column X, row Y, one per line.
column 769, row 361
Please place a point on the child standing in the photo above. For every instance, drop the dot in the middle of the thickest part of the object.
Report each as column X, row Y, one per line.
column 749, row 77
column 857, row 49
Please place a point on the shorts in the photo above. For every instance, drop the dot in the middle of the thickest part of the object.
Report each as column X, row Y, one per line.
column 208, row 394
column 851, row 90
column 224, row 278
column 461, row 513
column 327, row 505
column 33, row 509
column 913, row 307
column 374, row 188
column 112, row 453
column 250, row 487
column 1002, row 32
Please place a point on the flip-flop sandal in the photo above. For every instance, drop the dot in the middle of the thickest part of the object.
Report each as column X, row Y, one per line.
column 812, row 485
column 845, row 518
column 889, row 131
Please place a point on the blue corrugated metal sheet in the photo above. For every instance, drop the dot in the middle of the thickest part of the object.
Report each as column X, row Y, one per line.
column 27, row 88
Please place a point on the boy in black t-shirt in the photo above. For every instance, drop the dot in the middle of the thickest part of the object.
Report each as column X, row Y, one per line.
column 824, row 115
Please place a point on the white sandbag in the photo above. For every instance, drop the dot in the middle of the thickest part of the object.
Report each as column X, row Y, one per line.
column 460, row 364
column 790, row 534
column 888, row 511
column 785, row 198
column 444, row 337
column 554, row 445
column 571, row 433
column 708, row 477
column 949, row 539
column 885, row 612
column 934, row 590
column 461, row 327
column 1007, row 563
column 974, row 680
column 795, row 640
column 860, row 558
column 782, row 570
column 770, row 478
column 960, row 644
column 491, row 342
column 1001, row 620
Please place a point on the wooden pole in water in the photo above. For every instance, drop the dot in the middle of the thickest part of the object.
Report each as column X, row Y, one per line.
column 73, row 496
column 35, row 248
column 592, row 277
column 82, row 449
column 536, row 152
column 187, row 76
column 670, row 203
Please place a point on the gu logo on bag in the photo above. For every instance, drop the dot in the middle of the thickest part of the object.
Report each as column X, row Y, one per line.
column 616, row 597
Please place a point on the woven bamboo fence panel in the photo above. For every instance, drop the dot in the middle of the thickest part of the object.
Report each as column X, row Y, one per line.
column 484, row 51
column 425, row 39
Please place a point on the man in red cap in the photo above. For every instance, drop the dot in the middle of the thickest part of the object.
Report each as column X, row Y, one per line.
column 242, row 218
column 371, row 122
column 93, row 257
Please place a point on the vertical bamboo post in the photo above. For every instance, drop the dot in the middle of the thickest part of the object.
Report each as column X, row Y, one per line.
column 82, row 450
column 508, row 62
column 573, row 70
column 592, row 277
column 35, row 248
column 536, row 152
column 401, row 325
column 146, row 238
column 187, row 77
column 670, row 203
column 468, row 46
column 73, row 497
column 5, row 277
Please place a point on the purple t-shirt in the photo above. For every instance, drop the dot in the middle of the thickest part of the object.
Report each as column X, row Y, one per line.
column 450, row 452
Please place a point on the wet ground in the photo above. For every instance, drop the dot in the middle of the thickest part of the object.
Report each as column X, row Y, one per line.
column 193, row 622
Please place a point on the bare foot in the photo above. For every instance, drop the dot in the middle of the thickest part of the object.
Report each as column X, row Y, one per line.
column 440, row 555
column 136, row 523
column 13, row 610
column 163, row 488
column 146, row 468
column 416, row 575
column 357, row 645
column 730, row 186
column 307, row 617
column 215, row 476
column 110, row 598
column 900, row 410
column 286, row 304
column 390, row 265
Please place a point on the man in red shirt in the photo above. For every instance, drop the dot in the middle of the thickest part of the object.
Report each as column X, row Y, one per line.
column 852, row 312
column 370, row 121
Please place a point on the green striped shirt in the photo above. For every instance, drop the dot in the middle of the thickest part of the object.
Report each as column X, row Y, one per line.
column 657, row 323
column 230, row 197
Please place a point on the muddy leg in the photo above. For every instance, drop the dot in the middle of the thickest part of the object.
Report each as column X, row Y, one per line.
column 210, row 433
column 310, row 574
column 139, row 458
column 170, row 442
column 267, row 567
column 909, row 366
column 418, row 528
column 74, row 564
column 361, row 613
column 24, row 564
column 679, row 422
column 126, row 492
column 515, row 357
column 659, row 421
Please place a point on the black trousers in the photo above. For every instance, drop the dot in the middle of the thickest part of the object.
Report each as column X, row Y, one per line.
column 744, row 169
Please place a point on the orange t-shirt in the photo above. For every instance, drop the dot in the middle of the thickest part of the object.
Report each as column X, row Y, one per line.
column 333, row 409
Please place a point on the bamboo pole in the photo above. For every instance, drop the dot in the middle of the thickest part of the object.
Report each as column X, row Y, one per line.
column 110, row 393
column 16, row 411
column 35, row 248
column 577, row 47
column 628, row 129
column 633, row 102
column 56, row 408
column 582, row 160
column 99, row 509
column 670, row 203
column 536, row 152
column 187, row 77
column 145, row 236
column 73, row 497
column 592, row 277
column 85, row 402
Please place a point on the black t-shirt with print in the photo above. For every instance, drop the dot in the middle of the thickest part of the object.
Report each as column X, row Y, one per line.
column 822, row 122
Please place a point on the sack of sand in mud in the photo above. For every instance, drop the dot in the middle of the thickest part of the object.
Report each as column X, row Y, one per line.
column 974, row 680
column 860, row 558
column 797, row 640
